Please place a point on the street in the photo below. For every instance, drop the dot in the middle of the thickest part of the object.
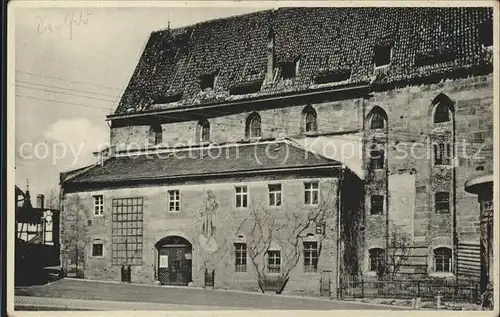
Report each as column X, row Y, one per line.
column 81, row 294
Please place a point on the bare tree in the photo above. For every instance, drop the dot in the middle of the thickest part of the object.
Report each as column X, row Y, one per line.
column 288, row 229
column 73, row 232
column 52, row 199
column 398, row 253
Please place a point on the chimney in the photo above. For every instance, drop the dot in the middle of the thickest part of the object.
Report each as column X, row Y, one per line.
column 270, row 57
column 40, row 199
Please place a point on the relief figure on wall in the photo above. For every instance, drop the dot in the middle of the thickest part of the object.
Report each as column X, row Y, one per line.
column 208, row 215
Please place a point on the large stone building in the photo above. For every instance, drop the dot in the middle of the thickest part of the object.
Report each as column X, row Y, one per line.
column 288, row 147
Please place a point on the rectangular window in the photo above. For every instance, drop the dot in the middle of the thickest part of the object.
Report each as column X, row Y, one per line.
column 377, row 259
column 275, row 195
column 173, row 200
column 274, row 261
column 376, row 159
column 442, row 202
column 240, row 257
column 442, row 154
column 98, row 205
column 208, row 81
column 311, row 193
column 127, row 214
column 382, row 55
column 310, row 257
column 442, row 260
column 241, row 197
column 97, row 249
column 377, row 205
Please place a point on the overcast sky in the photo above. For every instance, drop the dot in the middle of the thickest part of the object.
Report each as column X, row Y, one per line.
column 56, row 64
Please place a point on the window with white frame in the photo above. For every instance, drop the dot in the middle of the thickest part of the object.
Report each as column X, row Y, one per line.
column 173, row 200
column 98, row 205
column 310, row 256
column 240, row 257
column 275, row 194
column 311, row 193
column 241, row 196
column 442, row 260
column 274, row 261
column 253, row 126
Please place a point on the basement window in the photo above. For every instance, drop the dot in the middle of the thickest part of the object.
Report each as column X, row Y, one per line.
column 97, row 249
column 442, row 260
column 377, row 259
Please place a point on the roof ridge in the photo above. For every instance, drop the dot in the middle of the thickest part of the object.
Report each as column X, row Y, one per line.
column 297, row 145
column 237, row 16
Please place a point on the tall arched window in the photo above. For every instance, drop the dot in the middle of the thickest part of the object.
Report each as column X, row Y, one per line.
column 377, row 118
column 155, row 134
column 378, row 121
column 442, row 113
column 377, row 259
column 203, row 131
column 310, row 119
column 442, row 259
column 253, row 129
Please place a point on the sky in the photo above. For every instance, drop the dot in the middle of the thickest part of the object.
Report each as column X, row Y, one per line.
column 56, row 127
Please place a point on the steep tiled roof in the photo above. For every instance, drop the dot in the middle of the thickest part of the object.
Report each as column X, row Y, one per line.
column 325, row 39
column 233, row 159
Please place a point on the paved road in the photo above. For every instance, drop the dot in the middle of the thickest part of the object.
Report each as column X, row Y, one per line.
column 180, row 297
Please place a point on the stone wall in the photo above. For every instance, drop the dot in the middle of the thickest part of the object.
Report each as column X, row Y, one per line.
column 411, row 128
column 229, row 126
column 230, row 223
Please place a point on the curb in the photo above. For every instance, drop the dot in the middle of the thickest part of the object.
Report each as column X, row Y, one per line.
column 243, row 292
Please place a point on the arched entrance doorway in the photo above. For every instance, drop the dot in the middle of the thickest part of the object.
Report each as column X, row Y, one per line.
column 174, row 261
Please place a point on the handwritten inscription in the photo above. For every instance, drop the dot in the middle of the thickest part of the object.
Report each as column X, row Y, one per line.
column 65, row 24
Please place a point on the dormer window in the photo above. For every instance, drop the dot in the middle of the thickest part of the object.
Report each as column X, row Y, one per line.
column 208, row 81
column 486, row 34
column 332, row 76
column 382, row 56
column 290, row 69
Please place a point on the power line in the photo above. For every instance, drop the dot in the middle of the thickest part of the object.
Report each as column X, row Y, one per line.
column 67, row 80
column 63, row 102
column 65, row 93
column 68, row 89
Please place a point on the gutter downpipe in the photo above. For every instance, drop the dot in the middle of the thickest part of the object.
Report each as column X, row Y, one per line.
column 339, row 228
column 454, row 191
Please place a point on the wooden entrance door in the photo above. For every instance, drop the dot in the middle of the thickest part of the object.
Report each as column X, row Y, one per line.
column 174, row 264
